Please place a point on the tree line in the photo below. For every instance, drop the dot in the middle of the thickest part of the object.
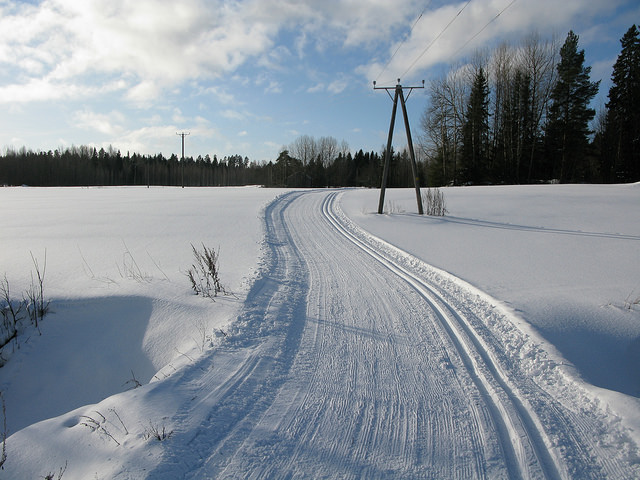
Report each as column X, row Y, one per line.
column 85, row 165
column 517, row 114
column 307, row 162
column 521, row 114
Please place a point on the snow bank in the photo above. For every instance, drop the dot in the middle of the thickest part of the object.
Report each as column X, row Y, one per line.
column 121, row 304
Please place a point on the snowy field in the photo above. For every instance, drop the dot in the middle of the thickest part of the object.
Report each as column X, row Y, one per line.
column 566, row 258
column 273, row 380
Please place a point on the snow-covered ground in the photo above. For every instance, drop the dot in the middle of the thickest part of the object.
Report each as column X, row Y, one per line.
column 116, row 264
column 566, row 258
column 243, row 382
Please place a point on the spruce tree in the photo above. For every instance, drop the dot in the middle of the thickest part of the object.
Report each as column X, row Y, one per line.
column 476, row 131
column 621, row 148
column 567, row 126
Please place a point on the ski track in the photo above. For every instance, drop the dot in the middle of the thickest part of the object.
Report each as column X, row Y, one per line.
column 352, row 359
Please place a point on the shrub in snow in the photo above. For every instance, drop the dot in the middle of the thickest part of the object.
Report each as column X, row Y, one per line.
column 434, row 202
column 154, row 431
column 11, row 312
column 51, row 475
column 99, row 425
column 130, row 268
column 37, row 306
column 204, row 273
column 133, row 381
column 392, row 207
column 630, row 302
column 33, row 306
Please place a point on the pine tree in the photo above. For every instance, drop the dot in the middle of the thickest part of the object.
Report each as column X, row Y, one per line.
column 567, row 127
column 515, row 135
column 621, row 150
column 476, row 131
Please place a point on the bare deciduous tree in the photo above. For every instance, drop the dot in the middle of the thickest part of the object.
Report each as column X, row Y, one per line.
column 538, row 58
column 304, row 148
column 442, row 122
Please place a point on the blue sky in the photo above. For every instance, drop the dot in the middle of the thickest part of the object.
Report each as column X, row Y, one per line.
column 249, row 76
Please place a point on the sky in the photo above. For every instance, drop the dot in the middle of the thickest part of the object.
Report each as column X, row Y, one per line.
column 248, row 77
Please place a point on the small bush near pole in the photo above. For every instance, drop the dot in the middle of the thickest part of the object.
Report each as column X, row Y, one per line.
column 433, row 199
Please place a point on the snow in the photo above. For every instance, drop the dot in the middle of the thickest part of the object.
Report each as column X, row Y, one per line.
column 564, row 257
column 116, row 261
column 558, row 261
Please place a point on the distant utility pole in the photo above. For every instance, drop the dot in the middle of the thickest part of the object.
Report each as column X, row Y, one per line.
column 183, row 134
column 387, row 157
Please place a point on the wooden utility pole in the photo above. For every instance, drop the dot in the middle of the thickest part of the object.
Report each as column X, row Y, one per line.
column 183, row 134
column 387, row 157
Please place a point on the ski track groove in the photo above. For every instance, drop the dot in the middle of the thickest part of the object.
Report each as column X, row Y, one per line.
column 578, row 454
column 349, row 361
column 516, row 424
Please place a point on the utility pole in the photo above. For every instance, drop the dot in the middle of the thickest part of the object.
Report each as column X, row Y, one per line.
column 183, row 134
column 387, row 157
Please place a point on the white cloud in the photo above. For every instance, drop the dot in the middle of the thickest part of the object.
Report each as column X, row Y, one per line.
column 178, row 117
column 272, row 145
column 440, row 33
column 300, row 44
column 154, row 44
column 154, row 120
column 143, row 92
column 138, row 140
column 38, row 89
column 233, row 115
column 603, row 68
column 273, row 87
column 162, row 137
column 108, row 124
column 318, row 87
column 162, row 42
column 222, row 95
column 158, row 42
column 275, row 58
column 337, row 86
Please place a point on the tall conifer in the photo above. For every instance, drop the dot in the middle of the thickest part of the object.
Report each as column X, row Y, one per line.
column 476, row 131
column 569, row 115
column 621, row 148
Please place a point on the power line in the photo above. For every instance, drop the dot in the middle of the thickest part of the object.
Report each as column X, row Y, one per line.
column 483, row 28
column 404, row 41
column 435, row 39
column 440, row 34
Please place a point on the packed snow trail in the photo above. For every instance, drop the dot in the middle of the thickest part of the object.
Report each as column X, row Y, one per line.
column 349, row 363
